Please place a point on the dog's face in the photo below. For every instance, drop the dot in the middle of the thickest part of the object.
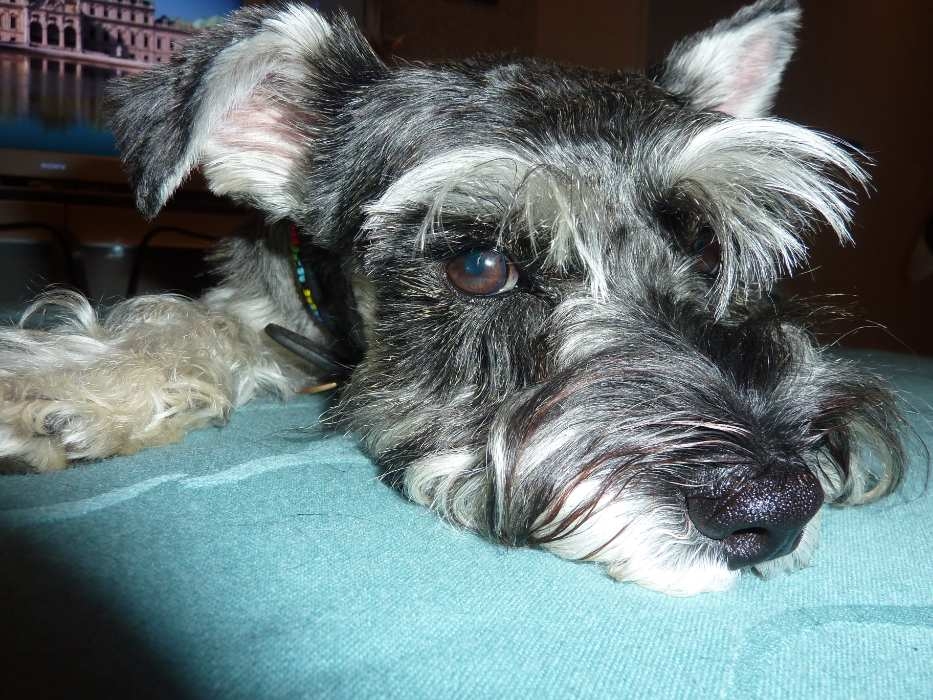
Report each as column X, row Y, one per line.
column 565, row 279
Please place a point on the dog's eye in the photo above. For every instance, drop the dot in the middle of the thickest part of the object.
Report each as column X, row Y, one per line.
column 707, row 251
column 698, row 239
column 482, row 273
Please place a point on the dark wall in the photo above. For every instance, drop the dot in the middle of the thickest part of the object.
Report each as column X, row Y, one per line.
column 598, row 33
column 864, row 72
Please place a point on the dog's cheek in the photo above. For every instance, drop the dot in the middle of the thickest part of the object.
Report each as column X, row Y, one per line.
column 436, row 369
column 444, row 338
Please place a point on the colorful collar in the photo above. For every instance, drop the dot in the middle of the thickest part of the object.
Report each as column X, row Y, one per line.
column 307, row 283
column 321, row 356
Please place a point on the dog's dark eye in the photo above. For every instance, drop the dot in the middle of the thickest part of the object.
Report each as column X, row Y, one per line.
column 707, row 251
column 697, row 238
column 482, row 273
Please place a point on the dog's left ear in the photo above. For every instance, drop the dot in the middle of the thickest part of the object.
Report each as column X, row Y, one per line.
column 242, row 100
column 736, row 66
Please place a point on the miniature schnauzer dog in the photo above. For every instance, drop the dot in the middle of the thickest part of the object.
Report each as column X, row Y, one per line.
column 548, row 290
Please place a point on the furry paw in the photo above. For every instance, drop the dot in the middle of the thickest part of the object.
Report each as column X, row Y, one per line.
column 153, row 369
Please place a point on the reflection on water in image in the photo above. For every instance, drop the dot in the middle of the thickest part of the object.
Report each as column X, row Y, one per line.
column 50, row 104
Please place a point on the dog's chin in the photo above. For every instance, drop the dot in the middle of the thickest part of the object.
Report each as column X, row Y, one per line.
column 689, row 577
column 656, row 546
column 704, row 570
column 637, row 539
column 707, row 572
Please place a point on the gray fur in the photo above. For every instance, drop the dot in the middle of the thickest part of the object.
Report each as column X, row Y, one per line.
column 641, row 364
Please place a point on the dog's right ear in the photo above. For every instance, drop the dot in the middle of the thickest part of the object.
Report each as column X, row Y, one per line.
column 241, row 100
column 736, row 66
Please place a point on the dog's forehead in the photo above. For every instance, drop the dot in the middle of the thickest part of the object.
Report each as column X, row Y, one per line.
column 553, row 113
column 486, row 136
column 572, row 101
column 552, row 160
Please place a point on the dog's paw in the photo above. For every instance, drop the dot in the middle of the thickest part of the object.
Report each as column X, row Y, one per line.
column 22, row 450
column 110, row 407
column 42, row 430
column 79, row 388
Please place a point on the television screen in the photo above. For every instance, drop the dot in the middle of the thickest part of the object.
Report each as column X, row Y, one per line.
column 56, row 56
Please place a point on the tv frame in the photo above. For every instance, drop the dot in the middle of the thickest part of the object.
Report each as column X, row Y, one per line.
column 57, row 165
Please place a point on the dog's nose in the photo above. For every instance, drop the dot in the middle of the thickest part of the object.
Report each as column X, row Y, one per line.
column 760, row 518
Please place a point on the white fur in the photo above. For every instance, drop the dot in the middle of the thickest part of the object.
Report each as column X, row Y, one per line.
column 240, row 133
column 735, row 67
column 639, row 541
column 765, row 183
column 443, row 179
column 431, row 481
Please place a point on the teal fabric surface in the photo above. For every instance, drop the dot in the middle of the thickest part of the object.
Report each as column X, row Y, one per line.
column 265, row 560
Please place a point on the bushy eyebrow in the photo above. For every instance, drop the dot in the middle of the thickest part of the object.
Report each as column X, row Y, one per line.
column 763, row 185
column 463, row 179
column 511, row 194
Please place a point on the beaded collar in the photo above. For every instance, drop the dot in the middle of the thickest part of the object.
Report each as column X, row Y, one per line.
column 333, row 367
column 307, row 282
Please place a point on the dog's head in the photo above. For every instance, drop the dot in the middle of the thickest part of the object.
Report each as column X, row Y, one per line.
column 565, row 278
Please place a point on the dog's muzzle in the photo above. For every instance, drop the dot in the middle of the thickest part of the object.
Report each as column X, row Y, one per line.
column 762, row 517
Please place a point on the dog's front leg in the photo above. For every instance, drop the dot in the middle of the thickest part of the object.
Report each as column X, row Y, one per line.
column 144, row 374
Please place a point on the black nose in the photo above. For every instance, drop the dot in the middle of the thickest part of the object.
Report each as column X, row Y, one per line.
column 759, row 518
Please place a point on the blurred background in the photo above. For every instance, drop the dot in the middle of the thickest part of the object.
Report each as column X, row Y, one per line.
column 862, row 72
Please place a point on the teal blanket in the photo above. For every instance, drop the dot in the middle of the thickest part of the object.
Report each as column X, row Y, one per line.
column 266, row 560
